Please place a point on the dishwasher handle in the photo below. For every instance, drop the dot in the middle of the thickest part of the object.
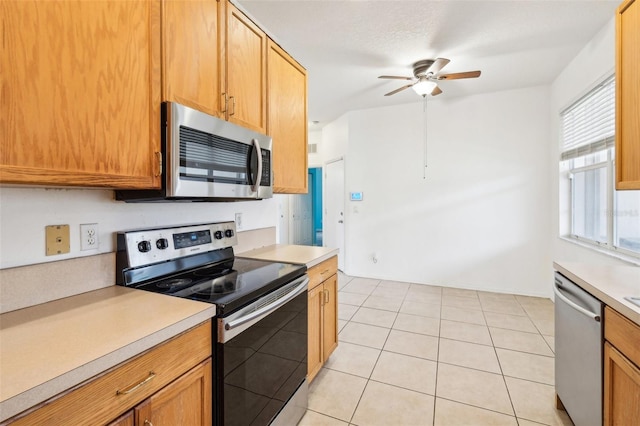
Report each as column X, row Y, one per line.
column 578, row 308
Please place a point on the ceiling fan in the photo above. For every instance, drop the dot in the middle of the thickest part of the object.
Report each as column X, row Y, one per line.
column 426, row 75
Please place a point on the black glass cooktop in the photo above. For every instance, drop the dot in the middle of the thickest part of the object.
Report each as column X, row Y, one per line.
column 229, row 285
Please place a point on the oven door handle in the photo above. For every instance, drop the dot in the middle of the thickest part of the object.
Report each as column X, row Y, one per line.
column 266, row 310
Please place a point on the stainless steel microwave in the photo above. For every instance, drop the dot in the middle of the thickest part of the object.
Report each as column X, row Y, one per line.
column 208, row 159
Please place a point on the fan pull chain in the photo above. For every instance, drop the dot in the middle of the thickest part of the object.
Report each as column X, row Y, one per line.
column 424, row 108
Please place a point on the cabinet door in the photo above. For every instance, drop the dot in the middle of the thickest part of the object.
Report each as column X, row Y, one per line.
column 621, row 389
column 191, row 49
column 80, row 86
column 330, row 317
column 125, row 420
column 287, row 120
column 187, row 401
column 246, row 55
column 627, row 98
column 314, row 356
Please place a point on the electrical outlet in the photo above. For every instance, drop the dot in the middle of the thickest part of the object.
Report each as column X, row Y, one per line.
column 238, row 221
column 89, row 236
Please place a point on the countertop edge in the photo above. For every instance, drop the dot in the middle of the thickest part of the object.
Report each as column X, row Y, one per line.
column 266, row 254
column 47, row 390
column 321, row 259
column 607, row 299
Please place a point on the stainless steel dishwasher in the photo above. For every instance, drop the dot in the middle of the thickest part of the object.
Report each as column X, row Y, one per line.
column 578, row 345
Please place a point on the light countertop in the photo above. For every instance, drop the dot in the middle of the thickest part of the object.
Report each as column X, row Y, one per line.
column 609, row 283
column 49, row 348
column 302, row 255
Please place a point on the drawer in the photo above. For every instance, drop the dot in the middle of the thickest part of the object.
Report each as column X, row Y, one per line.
column 623, row 334
column 99, row 401
column 322, row 271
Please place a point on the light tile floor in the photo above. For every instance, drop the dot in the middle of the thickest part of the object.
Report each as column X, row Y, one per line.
column 413, row 354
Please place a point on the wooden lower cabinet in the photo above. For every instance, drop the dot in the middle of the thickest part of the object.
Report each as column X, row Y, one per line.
column 621, row 370
column 187, row 401
column 169, row 384
column 330, row 317
column 323, row 315
column 621, row 389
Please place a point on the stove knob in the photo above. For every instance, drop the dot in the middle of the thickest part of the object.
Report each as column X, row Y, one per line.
column 144, row 246
column 228, row 233
column 218, row 235
column 162, row 243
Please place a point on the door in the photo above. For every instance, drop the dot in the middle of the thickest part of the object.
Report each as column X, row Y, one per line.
column 333, row 233
column 186, row 401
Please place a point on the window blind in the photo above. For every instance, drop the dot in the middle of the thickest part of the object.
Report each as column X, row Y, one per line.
column 588, row 125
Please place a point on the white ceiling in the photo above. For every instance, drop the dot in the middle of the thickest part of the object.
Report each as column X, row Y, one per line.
column 346, row 45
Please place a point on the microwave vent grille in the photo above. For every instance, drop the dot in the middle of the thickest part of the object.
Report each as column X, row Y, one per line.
column 201, row 147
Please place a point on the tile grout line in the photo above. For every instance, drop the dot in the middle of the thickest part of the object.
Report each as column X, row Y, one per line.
column 504, row 380
column 435, row 388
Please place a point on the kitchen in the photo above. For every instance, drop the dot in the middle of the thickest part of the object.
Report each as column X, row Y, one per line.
column 514, row 196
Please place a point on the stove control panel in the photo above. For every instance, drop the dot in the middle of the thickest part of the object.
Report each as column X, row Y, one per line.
column 148, row 246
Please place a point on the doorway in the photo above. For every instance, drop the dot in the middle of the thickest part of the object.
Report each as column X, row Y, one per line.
column 305, row 218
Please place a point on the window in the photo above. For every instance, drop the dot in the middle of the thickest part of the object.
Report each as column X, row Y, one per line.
column 598, row 214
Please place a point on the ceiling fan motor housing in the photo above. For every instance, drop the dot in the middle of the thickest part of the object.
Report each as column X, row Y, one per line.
column 420, row 68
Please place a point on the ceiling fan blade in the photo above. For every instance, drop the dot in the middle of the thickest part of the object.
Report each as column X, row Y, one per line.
column 396, row 77
column 459, row 75
column 437, row 65
column 436, row 91
column 398, row 90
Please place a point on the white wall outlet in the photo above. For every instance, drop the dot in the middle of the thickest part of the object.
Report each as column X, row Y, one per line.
column 238, row 221
column 89, row 236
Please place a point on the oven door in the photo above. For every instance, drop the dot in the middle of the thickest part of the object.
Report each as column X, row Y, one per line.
column 261, row 358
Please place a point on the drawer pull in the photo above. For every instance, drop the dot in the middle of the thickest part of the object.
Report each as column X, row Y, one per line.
column 134, row 388
column 147, row 422
column 324, row 272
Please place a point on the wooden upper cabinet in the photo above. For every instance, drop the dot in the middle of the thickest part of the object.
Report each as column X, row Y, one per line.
column 192, row 71
column 246, row 55
column 628, row 95
column 287, row 120
column 80, row 86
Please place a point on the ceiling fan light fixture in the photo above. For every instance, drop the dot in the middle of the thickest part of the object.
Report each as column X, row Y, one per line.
column 423, row 86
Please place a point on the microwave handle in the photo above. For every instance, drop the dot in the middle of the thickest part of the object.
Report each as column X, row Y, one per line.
column 256, row 182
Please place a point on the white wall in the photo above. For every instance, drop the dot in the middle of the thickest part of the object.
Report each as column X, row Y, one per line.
column 592, row 65
column 480, row 218
column 24, row 213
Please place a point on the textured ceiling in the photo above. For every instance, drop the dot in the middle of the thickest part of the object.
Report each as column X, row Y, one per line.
column 346, row 45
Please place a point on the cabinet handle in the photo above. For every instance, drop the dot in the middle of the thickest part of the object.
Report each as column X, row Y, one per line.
column 324, row 272
column 326, row 296
column 233, row 103
column 147, row 422
column 134, row 388
column 226, row 102
column 159, row 158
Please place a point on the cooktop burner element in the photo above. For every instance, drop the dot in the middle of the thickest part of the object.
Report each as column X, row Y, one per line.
column 173, row 283
column 197, row 262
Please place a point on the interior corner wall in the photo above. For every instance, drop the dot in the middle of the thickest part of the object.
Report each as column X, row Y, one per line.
column 25, row 211
column 594, row 63
column 480, row 218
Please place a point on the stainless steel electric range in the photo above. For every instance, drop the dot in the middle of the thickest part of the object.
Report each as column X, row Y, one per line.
column 260, row 354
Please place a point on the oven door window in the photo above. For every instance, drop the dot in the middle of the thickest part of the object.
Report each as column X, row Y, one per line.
column 264, row 365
